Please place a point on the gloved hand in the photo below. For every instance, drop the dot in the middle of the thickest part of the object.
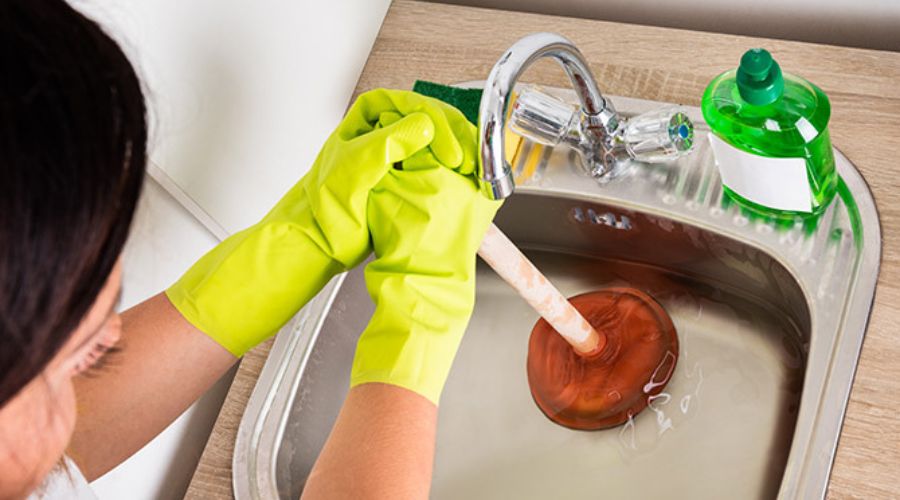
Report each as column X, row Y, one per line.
column 427, row 223
column 250, row 285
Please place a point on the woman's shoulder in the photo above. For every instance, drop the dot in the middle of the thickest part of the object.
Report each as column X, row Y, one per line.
column 65, row 482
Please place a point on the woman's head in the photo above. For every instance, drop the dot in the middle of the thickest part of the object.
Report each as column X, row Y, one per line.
column 72, row 156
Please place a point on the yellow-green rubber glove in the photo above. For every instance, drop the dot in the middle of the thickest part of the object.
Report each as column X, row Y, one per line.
column 250, row 285
column 427, row 223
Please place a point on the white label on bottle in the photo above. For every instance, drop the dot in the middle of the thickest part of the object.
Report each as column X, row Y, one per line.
column 779, row 183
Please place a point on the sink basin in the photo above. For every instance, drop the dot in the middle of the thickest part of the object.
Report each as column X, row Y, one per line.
column 770, row 317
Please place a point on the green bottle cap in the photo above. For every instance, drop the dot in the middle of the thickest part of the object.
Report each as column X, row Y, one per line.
column 759, row 78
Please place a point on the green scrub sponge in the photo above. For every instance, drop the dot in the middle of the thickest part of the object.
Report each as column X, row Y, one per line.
column 466, row 100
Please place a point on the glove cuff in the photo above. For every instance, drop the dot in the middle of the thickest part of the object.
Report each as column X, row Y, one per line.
column 246, row 288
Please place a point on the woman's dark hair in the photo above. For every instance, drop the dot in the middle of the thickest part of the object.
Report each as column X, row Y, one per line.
column 73, row 140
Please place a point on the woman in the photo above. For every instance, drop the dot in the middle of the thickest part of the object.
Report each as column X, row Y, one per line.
column 395, row 177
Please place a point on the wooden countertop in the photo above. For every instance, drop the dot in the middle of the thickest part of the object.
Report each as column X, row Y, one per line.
column 449, row 44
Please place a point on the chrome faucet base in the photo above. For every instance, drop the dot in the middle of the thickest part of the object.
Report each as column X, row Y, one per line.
column 595, row 131
column 599, row 120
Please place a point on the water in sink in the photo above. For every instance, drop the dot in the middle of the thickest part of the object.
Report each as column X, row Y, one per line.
column 721, row 429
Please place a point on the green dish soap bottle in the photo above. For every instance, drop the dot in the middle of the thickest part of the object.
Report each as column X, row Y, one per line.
column 770, row 138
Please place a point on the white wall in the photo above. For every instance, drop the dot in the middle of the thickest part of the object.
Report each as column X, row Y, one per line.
column 242, row 94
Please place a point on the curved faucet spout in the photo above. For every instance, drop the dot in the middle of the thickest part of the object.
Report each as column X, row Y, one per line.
column 599, row 121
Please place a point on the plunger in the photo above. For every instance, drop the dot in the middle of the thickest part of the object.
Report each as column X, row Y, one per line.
column 593, row 361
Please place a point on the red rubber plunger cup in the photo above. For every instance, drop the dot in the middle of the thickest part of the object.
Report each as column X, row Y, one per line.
column 604, row 388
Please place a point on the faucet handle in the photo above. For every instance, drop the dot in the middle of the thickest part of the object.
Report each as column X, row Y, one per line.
column 659, row 135
column 653, row 137
column 541, row 117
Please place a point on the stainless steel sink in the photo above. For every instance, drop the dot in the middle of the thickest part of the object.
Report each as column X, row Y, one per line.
column 770, row 319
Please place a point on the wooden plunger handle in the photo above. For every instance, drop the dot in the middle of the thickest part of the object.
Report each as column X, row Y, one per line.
column 511, row 264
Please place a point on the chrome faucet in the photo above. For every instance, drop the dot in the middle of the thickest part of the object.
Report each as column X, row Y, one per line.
column 595, row 131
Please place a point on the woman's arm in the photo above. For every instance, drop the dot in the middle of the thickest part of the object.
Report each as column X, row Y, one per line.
column 382, row 446
column 163, row 366
column 236, row 298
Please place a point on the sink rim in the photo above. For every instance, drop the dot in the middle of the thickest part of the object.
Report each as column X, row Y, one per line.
column 829, row 373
